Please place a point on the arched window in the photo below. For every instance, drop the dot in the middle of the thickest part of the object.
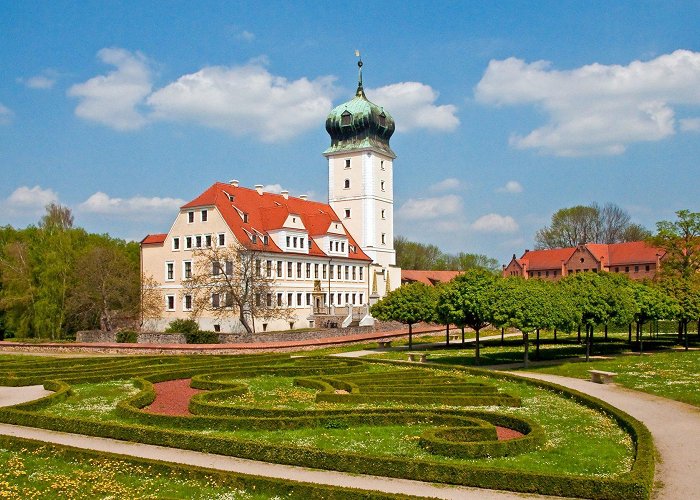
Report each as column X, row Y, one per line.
column 347, row 183
column 345, row 119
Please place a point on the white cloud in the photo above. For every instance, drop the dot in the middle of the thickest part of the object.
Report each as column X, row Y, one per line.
column 449, row 184
column 245, row 100
column 511, row 187
column 29, row 199
column 595, row 109
column 140, row 206
column 272, row 188
column 430, row 208
column 495, row 223
column 39, row 82
column 246, row 36
column 113, row 99
column 6, row 115
column 690, row 124
column 412, row 104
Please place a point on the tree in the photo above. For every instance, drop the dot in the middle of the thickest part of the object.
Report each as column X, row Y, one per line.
column 412, row 255
column 230, row 282
column 588, row 224
column 686, row 293
column 652, row 303
column 681, row 241
column 466, row 300
column 408, row 304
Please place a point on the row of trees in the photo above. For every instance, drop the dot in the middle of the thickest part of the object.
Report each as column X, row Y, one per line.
column 589, row 300
column 419, row 256
column 56, row 279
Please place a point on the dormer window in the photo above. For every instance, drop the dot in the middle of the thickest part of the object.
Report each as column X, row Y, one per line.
column 346, row 119
column 245, row 218
column 382, row 120
column 266, row 240
column 347, row 184
column 254, row 238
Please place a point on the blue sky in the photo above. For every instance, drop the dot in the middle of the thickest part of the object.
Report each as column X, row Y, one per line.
column 506, row 111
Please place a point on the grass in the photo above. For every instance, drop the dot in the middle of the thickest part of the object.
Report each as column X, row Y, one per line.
column 674, row 375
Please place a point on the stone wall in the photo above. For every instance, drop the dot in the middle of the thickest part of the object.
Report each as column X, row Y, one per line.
column 96, row 336
column 161, row 338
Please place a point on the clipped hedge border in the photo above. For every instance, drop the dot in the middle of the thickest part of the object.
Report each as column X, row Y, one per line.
column 232, row 480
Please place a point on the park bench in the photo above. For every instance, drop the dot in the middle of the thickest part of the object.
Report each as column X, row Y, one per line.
column 419, row 357
column 384, row 343
column 601, row 377
column 455, row 337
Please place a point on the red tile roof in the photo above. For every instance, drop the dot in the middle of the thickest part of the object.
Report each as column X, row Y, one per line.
column 154, row 239
column 267, row 212
column 427, row 277
column 612, row 254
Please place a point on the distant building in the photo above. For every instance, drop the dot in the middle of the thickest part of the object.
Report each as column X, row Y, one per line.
column 635, row 259
column 330, row 260
column 427, row 277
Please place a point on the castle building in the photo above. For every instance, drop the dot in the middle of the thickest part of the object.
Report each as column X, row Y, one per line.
column 327, row 262
column 635, row 259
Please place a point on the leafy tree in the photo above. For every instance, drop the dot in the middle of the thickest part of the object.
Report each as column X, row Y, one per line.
column 182, row 326
column 408, row 304
column 412, row 255
column 465, row 300
column 681, row 241
column 686, row 293
column 652, row 303
column 231, row 282
column 589, row 224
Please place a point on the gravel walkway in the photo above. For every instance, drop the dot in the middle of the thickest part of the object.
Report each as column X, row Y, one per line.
column 675, row 427
column 10, row 396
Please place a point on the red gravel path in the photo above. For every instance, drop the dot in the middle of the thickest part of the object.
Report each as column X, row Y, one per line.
column 172, row 397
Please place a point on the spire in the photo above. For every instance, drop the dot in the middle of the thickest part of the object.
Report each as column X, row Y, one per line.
column 360, row 91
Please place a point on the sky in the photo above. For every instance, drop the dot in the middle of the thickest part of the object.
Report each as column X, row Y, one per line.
column 505, row 111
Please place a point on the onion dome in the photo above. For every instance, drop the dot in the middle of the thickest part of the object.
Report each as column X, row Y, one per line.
column 359, row 124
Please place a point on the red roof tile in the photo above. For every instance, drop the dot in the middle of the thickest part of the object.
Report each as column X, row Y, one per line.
column 546, row 259
column 633, row 252
column 613, row 254
column 267, row 212
column 154, row 239
column 427, row 277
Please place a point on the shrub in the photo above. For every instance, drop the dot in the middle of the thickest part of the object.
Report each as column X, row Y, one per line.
column 127, row 337
column 202, row 337
column 182, row 326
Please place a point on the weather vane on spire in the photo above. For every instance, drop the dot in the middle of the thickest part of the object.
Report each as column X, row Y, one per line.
column 360, row 91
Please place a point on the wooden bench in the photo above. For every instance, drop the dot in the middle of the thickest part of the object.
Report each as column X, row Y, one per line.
column 455, row 337
column 383, row 344
column 419, row 357
column 601, row 377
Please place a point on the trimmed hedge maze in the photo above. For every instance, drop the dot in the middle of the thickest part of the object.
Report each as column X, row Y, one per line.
column 317, row 412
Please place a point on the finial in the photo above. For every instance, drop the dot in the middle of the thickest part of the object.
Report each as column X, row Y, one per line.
column 360, row 91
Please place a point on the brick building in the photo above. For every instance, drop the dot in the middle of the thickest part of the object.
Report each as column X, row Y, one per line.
column 635, row 259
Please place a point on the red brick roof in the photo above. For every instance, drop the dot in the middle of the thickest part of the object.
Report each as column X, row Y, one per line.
column 154, row 239
column 267, row 212
column 613, row 254
column 427, row 277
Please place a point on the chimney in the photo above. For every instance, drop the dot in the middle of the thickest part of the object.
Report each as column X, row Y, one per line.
column 258, row 188
column 233, row 182
column 303, row 197
column 285, row 194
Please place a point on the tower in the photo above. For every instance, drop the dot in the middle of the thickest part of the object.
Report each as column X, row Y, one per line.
column 360, row 173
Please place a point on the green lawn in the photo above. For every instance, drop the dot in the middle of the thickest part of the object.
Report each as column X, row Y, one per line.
column 674, row 375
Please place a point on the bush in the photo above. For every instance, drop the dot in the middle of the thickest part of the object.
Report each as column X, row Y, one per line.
column 202, row 337
column 127, row 337
column 182, row 326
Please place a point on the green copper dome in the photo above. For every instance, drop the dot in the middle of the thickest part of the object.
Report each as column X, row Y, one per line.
column 359, row 124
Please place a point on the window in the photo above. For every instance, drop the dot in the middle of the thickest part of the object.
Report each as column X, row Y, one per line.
column 361, row 269
column 207, row 241
column 646, row 268
column 266, row 240
column 170, row 302
column 347, row 273
column 205, row 215
column 298, row 269
column 254, row 238
column 215, row 300
column 290, row 296
column 279, row 268
column 316, row 271
column 217, row 328
column 345, row 119
column 381, row 164
column 294, row 242
column 222, row 239
column 342, row 247
column 198, row 241
column 353, row 299
column 354, row 272
column 331, row 270
column 627, row 269
column 245, row 218
column 257, row 299
column 190, row 217
column 636, row 269
column 347, row 298
column 381, row 185
column 215, row 268
column 169, row 271
column 289, row 269
column 539, row 273
column 362, row 297
column 340, row 298
column 383, row 238
column 257, row 267
column 332, row 297
column 347, row 213
column 340, row 271
column 188, row 242
column 176, row 243
column 310, row 243
column 325, row 271
column 269, row 300
column 229, row 267
column 308, row 270
column 288, row 238
column 383, row 214
column 347, row 163
column 308, row 299
column 555, row 272
column 382, row 120
column 268, row 268
column 187, row 269
column 279, row 299
column 188, row 303
column 346, row 185
column 298, row 299
column 617, row 269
